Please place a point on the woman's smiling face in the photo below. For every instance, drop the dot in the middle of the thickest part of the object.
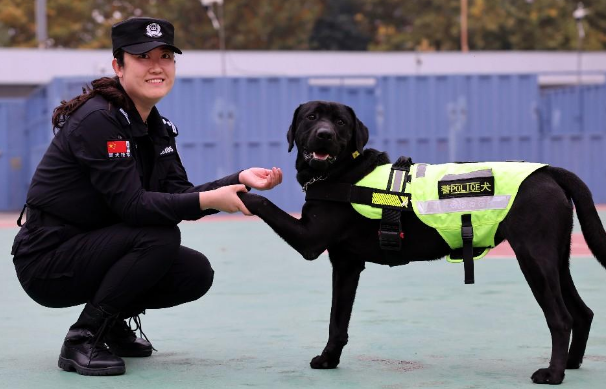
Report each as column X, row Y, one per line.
column 147, row 77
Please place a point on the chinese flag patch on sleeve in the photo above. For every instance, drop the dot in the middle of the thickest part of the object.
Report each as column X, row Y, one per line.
column 118, row 148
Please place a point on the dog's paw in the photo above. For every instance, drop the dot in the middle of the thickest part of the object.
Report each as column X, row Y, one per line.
column 324, row 361
column 547, row 376
column 251, row 200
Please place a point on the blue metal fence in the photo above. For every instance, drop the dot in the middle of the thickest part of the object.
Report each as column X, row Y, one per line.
column 233, row 123
column 13, row 154
column 456, row 118
column 573, row 133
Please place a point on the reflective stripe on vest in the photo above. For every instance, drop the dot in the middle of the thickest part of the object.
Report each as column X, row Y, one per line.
column 464, row 190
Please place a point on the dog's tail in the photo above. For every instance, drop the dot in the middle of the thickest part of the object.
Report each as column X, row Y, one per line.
column 591, row 225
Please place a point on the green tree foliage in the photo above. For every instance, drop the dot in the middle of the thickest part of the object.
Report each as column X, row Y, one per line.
column 382, row 25
column 16, row 26
column 270, row 24
column 71, row 24
column 338, row 29
column 492, row 24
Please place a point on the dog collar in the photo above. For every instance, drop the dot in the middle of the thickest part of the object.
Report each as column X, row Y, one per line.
column 314, row 179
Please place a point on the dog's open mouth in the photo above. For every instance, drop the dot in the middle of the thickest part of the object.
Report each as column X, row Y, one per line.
column 319, row 156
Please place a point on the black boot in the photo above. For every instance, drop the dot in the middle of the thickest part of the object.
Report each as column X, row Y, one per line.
column 123, row 341
column 84, row 348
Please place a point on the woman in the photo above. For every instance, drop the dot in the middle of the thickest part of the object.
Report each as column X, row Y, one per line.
column 105, row 201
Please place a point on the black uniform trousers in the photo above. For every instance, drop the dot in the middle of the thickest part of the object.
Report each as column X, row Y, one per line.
column 121, row 269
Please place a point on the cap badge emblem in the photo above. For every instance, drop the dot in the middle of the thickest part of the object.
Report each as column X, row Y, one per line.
column 153, row 30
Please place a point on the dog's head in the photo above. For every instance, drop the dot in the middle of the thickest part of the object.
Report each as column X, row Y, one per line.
column 325, row 133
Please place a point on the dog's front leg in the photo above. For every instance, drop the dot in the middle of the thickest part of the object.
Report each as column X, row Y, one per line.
column 345, row 277
column 320, row 224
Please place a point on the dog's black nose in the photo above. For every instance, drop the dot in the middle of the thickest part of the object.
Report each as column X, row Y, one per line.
column 325, row 133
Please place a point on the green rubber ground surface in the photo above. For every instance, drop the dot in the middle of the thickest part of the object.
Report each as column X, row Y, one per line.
column 266, row 316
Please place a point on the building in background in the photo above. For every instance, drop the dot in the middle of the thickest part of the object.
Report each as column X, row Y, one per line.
column 434, row 107
column 30, row 68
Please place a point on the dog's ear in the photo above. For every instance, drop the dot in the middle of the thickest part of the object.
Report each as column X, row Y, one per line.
column 290, row 135
column 360, row 135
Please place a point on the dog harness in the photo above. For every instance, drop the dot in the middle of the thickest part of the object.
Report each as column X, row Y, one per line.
column 463, row 202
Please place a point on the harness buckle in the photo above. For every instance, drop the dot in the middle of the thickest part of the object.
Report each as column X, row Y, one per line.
column 467, row 233
column 390, row 237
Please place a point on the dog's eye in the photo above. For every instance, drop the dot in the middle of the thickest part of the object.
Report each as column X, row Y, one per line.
column 340, row 122
column 311, row 116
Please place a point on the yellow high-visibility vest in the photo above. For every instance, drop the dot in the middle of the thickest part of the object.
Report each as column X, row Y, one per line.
column 440, row 194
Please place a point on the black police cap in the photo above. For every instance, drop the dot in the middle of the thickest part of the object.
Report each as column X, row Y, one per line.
column 140, row 35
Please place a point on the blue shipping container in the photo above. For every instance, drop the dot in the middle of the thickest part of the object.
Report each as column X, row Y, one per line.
column 227, row 124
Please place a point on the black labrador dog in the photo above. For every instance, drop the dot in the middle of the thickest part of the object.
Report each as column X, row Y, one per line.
column 330, row 147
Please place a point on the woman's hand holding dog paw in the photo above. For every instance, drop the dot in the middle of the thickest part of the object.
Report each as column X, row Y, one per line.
column 224, row 199
column 260, row 178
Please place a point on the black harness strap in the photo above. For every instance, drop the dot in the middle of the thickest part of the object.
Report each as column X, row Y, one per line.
column 467, row 235
column 329, row 191
column 390, row 230
column 348, row 193
column 392, row 200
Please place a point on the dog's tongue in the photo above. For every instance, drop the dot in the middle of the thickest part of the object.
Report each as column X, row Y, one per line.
column 320, row 156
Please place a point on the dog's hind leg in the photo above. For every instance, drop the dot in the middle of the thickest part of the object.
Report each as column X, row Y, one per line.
column 582, row 318
column 542, row 275
column 538, row 228
column 345, row 277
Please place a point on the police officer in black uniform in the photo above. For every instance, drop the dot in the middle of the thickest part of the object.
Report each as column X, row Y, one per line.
column 105, row 201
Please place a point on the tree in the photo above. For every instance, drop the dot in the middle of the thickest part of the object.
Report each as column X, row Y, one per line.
column 595, row 25
column 267, row 24
column 493, row 24
column 16, row 25
column 337, row 28
column 71, row 24
column 379, row 25
column 270, row 24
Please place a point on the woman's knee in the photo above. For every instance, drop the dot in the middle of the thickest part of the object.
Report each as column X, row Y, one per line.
column 200, row 276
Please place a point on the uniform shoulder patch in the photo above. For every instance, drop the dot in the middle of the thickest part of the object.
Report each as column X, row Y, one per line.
column 118, row 149
column 170, row 127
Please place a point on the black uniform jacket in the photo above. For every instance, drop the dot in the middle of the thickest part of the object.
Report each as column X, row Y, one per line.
column 106, row 166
